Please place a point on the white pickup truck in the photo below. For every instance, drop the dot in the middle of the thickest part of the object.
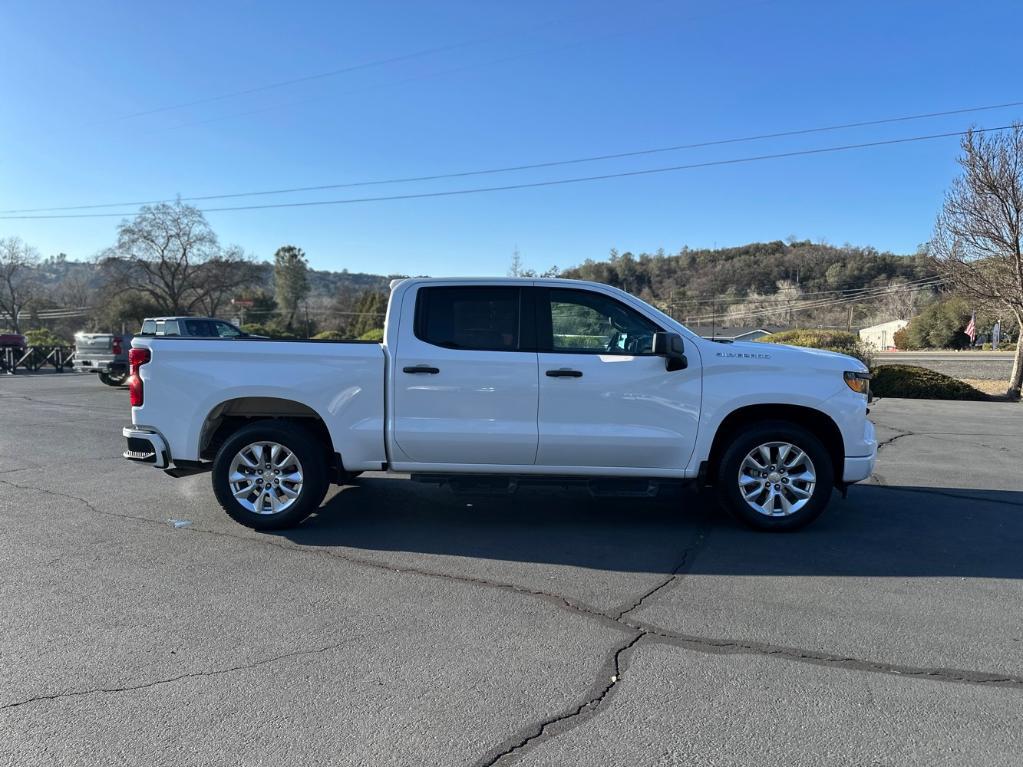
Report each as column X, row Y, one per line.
column 493, row 383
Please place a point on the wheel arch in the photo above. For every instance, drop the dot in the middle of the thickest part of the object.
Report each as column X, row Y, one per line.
column 229, row 416
column 817, row 422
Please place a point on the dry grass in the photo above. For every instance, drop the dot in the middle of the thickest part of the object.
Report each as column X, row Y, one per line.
column 992, row 388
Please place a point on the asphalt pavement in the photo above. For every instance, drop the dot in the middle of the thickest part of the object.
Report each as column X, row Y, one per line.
column 406, row 625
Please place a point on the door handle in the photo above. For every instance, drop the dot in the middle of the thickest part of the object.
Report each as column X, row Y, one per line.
column 565, row 373
column 420, row 369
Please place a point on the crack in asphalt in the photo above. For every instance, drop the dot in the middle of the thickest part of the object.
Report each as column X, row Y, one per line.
column 886, row 442
column 937, row 437
column 71, row 497
column 945, row 493
column 684, row 563
column 708, row 645
column 613, row 668
column 172, row 679
column 80, row 460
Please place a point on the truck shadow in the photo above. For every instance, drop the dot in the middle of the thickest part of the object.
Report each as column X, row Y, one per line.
column 886, row 531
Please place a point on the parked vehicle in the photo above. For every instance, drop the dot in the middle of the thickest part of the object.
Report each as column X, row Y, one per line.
column 105, row 354
column 496, row 383
column 13, row 341
column 192, row 327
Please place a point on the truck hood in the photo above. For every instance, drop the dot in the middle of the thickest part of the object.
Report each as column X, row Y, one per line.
column 796, row 356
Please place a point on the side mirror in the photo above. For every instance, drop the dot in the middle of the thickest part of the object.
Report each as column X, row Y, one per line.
column 670, row 346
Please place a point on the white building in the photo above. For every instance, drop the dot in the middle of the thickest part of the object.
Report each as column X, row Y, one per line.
column 881, row 337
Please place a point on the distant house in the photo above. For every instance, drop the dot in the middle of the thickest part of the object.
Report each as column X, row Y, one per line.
column 739, row 334
column 882, row 337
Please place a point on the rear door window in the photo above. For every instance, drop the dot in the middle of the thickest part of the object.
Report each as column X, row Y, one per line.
column 199, row 328
column 470, row 317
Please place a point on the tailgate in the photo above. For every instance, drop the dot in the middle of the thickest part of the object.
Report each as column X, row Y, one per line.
column 89, row 344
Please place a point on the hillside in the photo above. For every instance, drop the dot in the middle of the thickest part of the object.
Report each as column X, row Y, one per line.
column 764, row 282
column 772, row 283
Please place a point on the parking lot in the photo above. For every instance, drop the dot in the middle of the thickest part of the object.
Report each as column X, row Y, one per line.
column 406, row 625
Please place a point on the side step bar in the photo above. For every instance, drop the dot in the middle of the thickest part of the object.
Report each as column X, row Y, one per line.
column 504, row 484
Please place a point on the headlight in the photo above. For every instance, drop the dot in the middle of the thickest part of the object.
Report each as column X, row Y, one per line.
column 858, row 381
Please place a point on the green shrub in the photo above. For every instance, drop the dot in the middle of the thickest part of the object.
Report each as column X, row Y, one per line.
column 330, row 335
column 1002, row 347
column 271, row 331
column 900, row 339
column 840, row 341
column 915, row 382
column 45, row 337
column 939, row 326
column 376, row 334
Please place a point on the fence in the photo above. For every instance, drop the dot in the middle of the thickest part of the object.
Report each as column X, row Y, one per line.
column 35, row 358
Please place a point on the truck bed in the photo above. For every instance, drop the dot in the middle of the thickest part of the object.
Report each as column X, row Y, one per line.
column 190, row 380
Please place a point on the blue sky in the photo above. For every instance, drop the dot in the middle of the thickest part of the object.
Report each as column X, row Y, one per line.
column 494, row 84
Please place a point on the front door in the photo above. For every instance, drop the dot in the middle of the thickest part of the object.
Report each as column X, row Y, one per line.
column 465, row 391
column 605, row 399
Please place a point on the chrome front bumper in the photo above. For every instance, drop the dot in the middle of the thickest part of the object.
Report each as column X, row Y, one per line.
column 146, row 446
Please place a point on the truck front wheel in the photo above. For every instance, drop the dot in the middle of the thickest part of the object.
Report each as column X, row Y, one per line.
column 775, row 476
column 270, row 475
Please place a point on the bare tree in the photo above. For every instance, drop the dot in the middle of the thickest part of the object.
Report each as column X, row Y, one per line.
column 978, row 238
column 18, row 283
column 169, row 254
column 223, row 278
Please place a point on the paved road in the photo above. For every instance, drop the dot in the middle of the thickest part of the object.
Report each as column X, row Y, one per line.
column 404, row 625
column 992, row 366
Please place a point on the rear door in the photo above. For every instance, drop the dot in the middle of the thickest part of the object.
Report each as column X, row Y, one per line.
column 605, row 399
column 465, row 376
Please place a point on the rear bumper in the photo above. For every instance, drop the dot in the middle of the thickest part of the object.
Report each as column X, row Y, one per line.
column 99, row 366
column 859, row 467
column 146, row 446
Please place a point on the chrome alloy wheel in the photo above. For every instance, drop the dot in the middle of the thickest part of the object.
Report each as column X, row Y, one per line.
column 777, row 479
column 265, row 477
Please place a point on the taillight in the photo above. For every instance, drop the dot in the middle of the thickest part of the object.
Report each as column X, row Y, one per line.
column 136, row 359
column 116, row 346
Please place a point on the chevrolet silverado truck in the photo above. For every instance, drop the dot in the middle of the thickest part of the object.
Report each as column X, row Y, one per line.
column 496, row 383
column 103, row 353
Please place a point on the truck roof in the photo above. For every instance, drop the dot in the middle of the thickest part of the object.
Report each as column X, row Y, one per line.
column 180, row 317
column 495, row 280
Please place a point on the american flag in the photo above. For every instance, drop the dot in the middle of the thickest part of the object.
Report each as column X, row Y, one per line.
column 971, row 328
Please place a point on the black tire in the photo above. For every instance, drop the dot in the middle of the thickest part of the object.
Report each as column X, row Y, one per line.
column 306, row 448
column 113, row 379
column 747, row 439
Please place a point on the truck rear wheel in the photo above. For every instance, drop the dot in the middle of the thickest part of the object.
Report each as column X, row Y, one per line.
column 113, row 378
column 270, row 475
column 775, row 475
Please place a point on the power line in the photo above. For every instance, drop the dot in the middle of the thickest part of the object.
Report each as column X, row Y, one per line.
column 538, row 184
column 535, row 166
